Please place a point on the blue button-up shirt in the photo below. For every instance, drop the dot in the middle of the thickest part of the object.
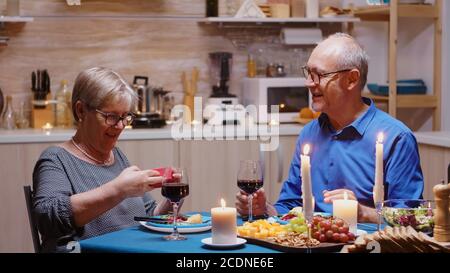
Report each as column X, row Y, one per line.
column 345, row 159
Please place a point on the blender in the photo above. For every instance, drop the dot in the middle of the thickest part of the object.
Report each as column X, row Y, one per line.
column 222, row 108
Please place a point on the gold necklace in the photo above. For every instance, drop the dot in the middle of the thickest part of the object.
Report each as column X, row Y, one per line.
column 106, row 162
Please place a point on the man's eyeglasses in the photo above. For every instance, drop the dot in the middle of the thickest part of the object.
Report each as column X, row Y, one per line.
column 315, row 77
column 112, row 119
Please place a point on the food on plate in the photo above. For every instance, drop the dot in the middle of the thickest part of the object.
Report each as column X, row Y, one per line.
column 397, row 239
column 421, row 218
column 195, row 219
column 331, row 229
column 293, row 239
column 169, row 218
column 260, row 229
column 292, row 213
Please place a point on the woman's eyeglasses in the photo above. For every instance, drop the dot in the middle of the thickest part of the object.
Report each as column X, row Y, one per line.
column 315, row 77
column 112, row 119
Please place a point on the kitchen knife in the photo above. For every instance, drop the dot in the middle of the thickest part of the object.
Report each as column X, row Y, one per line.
column 48, row 83
column 38, row 82
column 33, row 82
column 152, row 219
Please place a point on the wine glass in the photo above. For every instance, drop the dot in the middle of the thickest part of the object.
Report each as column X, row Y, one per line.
column 249, row 180
column 175, row 187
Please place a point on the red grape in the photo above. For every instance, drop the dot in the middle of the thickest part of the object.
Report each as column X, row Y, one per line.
column 316, row 220
column 322, row 238
column 343, row 238
column 336, row 237
column 316, row 235
column 339, row 222
column 325, row 224
column 343, row 229
column 329, row 234
column 334, row 228
column 351, row 236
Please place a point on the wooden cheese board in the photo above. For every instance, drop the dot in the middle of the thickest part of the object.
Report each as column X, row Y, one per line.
column 321, row 248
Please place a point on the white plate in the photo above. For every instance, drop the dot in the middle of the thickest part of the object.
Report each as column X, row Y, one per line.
column 180, row 229
column 360, row 232
column 208, row 242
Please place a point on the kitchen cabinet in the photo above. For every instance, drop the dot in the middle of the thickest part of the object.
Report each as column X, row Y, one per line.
column 279, row 162
column 391, row 14
column 434, row 161
column 212, row 167
column 16, row 170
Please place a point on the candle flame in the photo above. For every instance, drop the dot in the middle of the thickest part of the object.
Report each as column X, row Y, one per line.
column 345, row 195
column 306, row 149
column 380, row 137
column 222, row 202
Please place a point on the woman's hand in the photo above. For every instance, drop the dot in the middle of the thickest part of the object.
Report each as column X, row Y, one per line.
column 133, row 182
column 259, row 202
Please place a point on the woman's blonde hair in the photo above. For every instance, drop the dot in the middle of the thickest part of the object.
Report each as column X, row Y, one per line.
column 98, row 86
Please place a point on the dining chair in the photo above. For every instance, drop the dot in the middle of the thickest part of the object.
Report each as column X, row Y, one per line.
column 33, row 225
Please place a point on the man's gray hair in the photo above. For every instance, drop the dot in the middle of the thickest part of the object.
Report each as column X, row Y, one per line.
column 99, row 86
column 352, row 55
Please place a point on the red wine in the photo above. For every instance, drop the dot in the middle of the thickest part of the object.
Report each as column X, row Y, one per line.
column 175, row 191
column 250, row 186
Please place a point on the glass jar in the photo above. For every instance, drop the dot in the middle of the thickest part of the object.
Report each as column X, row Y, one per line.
column 9, row 117
column 22, row 121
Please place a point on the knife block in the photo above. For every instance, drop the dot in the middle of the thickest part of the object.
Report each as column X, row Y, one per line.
column 42, row 116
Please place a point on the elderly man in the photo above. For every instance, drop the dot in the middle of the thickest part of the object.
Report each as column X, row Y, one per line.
column 343, row 139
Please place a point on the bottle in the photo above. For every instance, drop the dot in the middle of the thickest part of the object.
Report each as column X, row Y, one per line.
column 9, row 117
column 312, row 8
column 212, row 8
column 251, row 67
column 63, row 106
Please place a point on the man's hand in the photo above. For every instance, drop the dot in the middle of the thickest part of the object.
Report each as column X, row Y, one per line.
column 329, row 196
column 259, row 202
column 365, row 214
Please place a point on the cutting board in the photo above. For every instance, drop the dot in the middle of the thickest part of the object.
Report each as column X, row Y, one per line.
column 322, row 248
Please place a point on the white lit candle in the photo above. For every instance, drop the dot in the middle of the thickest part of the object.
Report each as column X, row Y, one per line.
column 378, row 189
column 308, row 203
column 223, row 222
column 346, row 210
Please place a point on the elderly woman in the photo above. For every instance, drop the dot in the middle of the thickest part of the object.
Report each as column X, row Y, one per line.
column 85, row 187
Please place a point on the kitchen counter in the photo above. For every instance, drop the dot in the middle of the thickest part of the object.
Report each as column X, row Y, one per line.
column 441, row 138
column 60, row 135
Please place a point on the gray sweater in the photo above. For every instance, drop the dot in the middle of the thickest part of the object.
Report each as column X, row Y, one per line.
column 57, row 175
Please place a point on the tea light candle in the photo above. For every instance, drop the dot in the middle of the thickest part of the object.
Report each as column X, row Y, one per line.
column 223, row 222
column 378, row 189
column 346, row 210
column 308, row 203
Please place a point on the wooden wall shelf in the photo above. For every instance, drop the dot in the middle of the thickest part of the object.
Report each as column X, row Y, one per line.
column 391, row 13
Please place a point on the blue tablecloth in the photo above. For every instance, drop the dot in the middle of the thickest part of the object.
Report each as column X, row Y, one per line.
column 139, row 239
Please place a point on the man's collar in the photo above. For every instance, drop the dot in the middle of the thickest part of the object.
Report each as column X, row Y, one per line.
column 360, row 124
